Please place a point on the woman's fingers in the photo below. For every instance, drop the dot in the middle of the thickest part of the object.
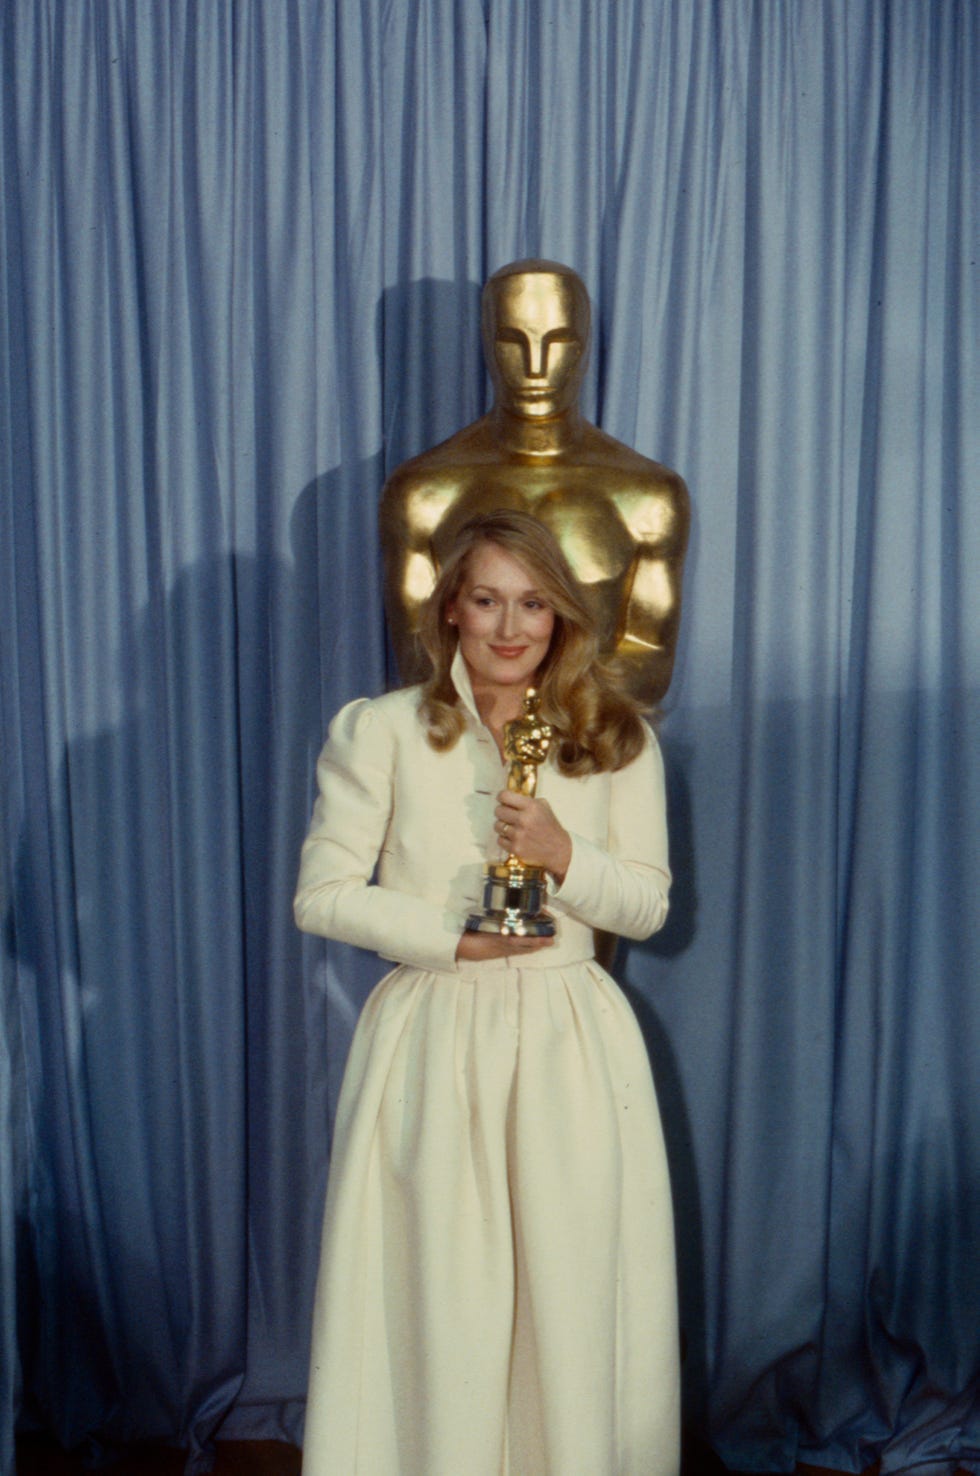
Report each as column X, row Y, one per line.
column 474, row 947
column 511, row 817
column 508, row 815
column 529, row 828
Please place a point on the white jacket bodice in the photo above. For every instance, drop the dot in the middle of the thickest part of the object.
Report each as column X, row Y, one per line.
column 401, row 834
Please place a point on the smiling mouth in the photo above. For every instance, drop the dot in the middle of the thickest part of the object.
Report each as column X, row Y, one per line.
column 508, row 651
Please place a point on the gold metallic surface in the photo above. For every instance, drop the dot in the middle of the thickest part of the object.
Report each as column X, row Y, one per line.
column 526, row 742
column 513, row 892
column 621, row 519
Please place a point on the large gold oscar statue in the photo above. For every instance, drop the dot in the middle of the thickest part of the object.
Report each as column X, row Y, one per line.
column 621, row 519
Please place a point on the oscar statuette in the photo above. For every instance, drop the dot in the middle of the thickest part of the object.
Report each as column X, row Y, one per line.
column 513, row 892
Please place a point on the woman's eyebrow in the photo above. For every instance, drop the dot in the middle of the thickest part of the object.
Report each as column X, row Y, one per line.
column 492, row 589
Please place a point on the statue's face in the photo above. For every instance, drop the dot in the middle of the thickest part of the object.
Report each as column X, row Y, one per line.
column 537, row 336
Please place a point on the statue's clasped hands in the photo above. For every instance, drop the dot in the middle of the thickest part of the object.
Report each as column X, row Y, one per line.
column 527, row 827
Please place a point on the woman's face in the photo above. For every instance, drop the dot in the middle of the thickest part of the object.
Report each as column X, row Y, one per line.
column 504, row 622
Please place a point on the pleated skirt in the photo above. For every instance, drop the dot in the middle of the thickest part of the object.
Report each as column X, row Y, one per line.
column 497, row 1291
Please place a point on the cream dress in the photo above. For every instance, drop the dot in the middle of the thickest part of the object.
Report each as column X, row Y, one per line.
column 496, row 1293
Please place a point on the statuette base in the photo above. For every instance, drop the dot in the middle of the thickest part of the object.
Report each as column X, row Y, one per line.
column 513, row 895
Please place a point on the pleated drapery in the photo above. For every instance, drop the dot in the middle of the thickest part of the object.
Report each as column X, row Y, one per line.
column 241, row 248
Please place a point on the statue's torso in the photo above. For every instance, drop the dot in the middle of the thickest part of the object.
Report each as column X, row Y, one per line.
column 602, row 500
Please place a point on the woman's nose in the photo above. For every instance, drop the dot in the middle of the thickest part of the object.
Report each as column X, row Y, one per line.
column 508, row 620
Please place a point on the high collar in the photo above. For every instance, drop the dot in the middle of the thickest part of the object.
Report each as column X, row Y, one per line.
column 459, row 672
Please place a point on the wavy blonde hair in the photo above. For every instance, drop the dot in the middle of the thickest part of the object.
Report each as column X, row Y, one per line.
column 598, row 727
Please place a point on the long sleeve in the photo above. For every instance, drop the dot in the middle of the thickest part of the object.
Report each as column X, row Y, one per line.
column 335, row 896
column 622, row 887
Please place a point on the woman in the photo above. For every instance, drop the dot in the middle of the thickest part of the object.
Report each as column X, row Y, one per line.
column 496, row 1290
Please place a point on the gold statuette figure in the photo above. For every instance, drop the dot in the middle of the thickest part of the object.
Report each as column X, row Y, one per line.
column 513, row 893
column 621, row 519
column 526, row 743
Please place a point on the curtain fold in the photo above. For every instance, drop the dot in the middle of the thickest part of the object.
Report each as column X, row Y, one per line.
column 241, row 250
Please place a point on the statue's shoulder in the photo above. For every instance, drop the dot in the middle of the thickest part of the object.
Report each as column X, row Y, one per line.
column 651, row 499
column 627, row 465
column 419, row 493
column 471, row 446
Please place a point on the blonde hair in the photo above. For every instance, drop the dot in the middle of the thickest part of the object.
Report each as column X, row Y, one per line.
column 597, row 726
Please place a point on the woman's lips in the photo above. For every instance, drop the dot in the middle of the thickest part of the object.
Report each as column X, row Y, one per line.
column 509, row 652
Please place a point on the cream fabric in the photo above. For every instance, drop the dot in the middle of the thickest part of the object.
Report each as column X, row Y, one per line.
column 496, row 1293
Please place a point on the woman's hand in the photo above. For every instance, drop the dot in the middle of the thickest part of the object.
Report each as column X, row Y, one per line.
column 477, row 947
column 528, row 828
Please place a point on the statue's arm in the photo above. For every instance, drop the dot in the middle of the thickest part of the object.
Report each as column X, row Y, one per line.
column 411, row 508
column 647, row 642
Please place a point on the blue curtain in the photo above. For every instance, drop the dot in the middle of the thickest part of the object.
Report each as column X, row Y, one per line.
column 241, row 246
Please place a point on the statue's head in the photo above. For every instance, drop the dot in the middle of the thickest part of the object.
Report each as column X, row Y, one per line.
column 536, row 337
